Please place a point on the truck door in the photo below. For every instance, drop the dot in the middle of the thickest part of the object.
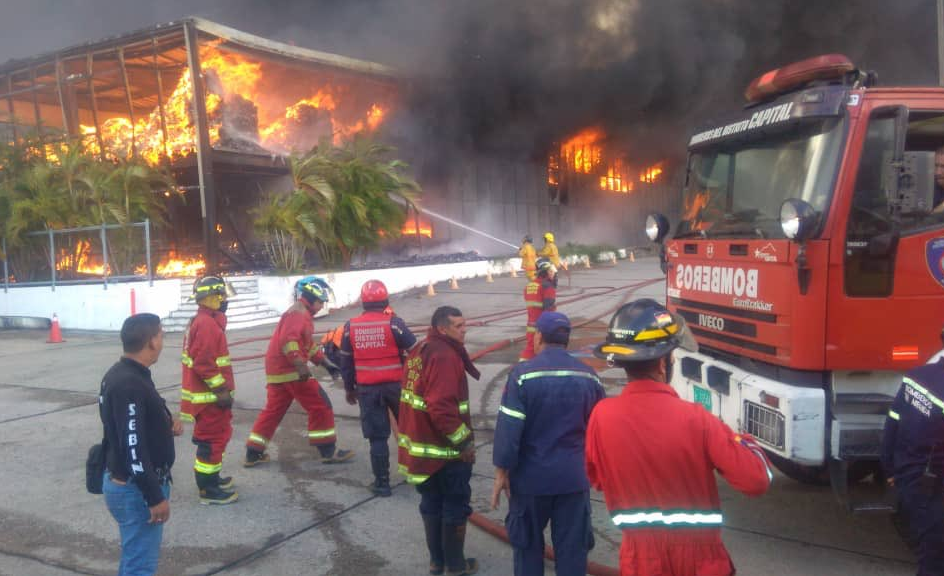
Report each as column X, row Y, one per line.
column 888, row 314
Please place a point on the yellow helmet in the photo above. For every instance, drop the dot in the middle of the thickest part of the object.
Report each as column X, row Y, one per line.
column 548, row 237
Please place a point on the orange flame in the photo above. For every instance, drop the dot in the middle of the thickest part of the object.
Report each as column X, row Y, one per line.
column 229, row 77
column 692, row 209
column 77, row 258
column 651, row 174
column 409, row 228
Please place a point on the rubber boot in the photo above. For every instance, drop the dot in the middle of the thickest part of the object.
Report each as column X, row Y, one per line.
column 210, row 491
column 453, row 538
column 331, row 454
column 254, row 458
column 381, row 468
column 434, row 542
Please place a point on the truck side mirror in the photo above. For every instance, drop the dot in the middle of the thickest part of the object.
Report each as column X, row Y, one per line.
column 657, row 227
column 798, row 219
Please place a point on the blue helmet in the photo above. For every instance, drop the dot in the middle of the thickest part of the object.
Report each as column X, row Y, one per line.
column 314, row 288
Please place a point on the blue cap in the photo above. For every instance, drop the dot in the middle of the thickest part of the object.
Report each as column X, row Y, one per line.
column 553, row 323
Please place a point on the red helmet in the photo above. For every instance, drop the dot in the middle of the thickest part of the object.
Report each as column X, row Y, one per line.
column 373, row 291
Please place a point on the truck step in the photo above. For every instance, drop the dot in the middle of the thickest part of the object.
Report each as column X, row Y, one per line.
column 864, row 398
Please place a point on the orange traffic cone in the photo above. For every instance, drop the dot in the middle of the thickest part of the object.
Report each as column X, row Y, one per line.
column 453, row 284
column 514, row 272
column 632, row 256
column 488, row 276
column 55, row 333
column 586, row 261
column 613, row 258
column 430, row 291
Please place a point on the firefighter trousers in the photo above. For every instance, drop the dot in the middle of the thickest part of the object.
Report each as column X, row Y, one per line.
column 924, row 511
column 212, row 429
column 279, row 397
column 376, row 401
column 447, row 493
column 528, row 352
column 571, row 533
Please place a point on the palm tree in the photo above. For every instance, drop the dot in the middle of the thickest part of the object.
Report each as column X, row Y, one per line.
column 344, row 201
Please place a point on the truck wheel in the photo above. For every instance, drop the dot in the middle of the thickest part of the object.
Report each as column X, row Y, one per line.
column 819, row 475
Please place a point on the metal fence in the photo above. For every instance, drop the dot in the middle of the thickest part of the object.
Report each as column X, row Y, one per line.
column 105, row 277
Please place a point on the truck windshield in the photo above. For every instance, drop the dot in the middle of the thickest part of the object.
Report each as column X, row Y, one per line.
column 736, row 189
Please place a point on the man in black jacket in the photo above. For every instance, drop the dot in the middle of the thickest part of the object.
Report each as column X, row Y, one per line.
column 139, row 445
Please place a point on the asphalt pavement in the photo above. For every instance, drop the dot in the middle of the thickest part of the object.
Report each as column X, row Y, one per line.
column 298, row 516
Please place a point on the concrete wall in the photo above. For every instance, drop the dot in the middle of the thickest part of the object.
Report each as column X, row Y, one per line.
column 91, row 306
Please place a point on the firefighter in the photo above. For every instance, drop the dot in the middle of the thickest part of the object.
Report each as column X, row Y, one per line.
column 288, row 378
column 331, row 351
column 550, row 252
column 436, row 445
column 528, row 257
column 913, row 460
column 539, row 453
column 207, row 389
column 372, row 350
column 654, row 455
column 540, row 295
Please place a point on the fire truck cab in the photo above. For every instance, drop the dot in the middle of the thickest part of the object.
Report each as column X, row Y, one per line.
column 809, row 262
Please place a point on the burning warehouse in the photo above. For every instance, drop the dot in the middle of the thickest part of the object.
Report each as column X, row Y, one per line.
column 221, row 110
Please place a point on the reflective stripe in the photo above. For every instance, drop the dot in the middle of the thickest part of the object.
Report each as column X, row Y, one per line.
column 412, row 478
column 198, row 397
column 556, row 374
column 210, row 287
column 372, row 323
column 418, row 403
column 378, row 368
column 532, row 329
column 937, row 402
column 535, row 304
column 206, row 467
column 253, row 437
column 631, row 519
column 414, row 400
column 321, row 433
column 187, row 417
column 893, row 415
column 216, row 381
column 512, row 413
column 290, row 347
column 461, row 433
column 186, row 360
column 281, row 378
column 420, row 450
column 224, row 361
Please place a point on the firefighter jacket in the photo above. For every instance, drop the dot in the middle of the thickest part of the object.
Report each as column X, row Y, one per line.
column 293, row 339
column 542, row 423
column 206, row 363
column 372, row 349
column 529, row 257
column 540, row 295
column 914, row 430
column 434, row 423
column 550, row 252
column 654, row 457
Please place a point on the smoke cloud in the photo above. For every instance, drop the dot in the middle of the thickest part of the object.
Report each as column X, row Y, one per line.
column 512, row 76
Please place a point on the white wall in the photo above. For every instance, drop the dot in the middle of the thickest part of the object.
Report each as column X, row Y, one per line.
column 91, row 306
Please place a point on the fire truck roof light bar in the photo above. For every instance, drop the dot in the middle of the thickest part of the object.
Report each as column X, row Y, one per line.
column 792, row 76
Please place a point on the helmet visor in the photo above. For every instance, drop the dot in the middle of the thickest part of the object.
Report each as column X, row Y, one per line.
column 684, row 337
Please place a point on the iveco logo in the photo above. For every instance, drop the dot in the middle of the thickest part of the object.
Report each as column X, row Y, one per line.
column 713, row 322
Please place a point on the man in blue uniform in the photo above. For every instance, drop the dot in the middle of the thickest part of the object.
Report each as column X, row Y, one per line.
column 913, row 458
column 539, row 452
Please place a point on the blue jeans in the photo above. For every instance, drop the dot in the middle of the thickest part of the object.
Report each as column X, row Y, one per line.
column 140, row 541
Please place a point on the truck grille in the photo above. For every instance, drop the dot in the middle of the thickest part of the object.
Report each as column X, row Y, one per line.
column 765, row 424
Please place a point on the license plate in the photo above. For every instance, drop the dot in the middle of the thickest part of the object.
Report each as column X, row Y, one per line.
column 703, row 397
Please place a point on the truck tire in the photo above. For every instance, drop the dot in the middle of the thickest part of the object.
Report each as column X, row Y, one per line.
column 819, row 475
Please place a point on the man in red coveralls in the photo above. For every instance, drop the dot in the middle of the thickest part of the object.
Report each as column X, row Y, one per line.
column 207, row 389
column 288, row 378
column 540, row 295
column 654, row 455
column 436, row 445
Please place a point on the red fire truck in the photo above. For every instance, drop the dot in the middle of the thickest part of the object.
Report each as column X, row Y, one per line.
column 809, row 262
